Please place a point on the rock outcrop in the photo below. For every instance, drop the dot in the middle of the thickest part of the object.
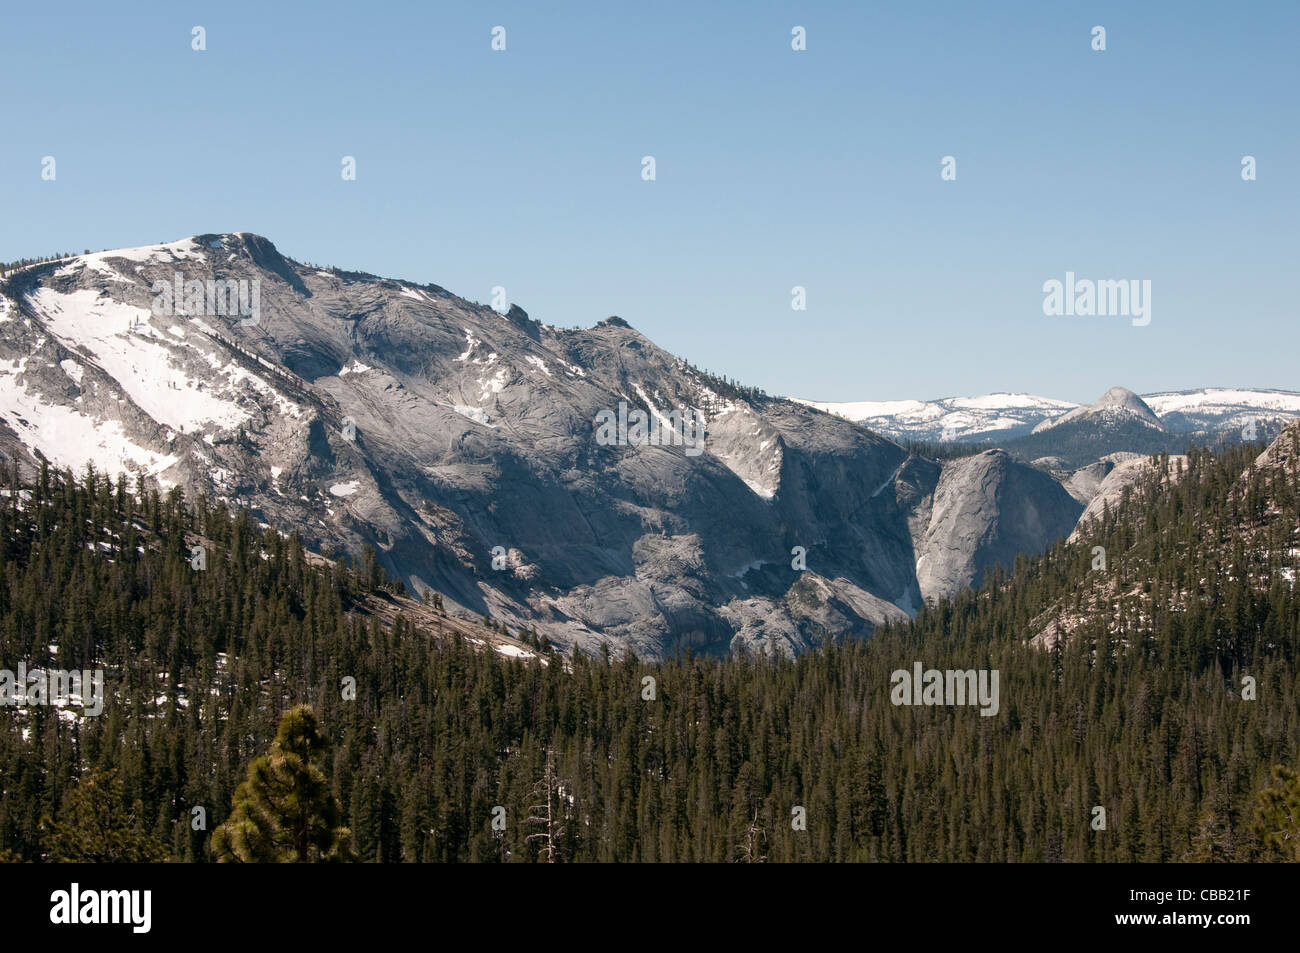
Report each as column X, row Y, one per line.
column 987, row 509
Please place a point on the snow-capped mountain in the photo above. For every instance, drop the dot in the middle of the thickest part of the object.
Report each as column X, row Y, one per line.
column 951, row 418
column 466, row 446
column 997, row 418
column 1117, row 404
column 1222, row 409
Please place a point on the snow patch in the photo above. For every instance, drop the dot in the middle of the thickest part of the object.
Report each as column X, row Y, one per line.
column 186, row 248
column 122, row 342
column 473, row 343
column 493, row 385
column 473, row 413
column 70, row 439
column 514, row 651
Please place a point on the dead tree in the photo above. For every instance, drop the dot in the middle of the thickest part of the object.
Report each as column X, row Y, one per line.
column 550, row 789
column 753, row 837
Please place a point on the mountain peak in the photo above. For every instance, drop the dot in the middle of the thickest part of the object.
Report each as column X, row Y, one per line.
column 1121, row 397
column 1116, row 401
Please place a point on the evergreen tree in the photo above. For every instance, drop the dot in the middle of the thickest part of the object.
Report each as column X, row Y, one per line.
column 98, row 828
column 1136, row 704
column 284, row 812
column 1277, row 819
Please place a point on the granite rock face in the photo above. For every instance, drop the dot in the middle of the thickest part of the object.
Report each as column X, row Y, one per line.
column 466, row 446
column 987, row 509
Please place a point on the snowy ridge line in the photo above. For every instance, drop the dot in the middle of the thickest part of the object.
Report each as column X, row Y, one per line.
column 1002, row 416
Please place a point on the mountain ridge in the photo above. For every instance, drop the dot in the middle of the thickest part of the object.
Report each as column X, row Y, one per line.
column 460, row 442
column 1002, row 416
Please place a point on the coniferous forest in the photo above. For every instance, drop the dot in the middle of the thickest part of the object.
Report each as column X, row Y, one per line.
column 445, row 751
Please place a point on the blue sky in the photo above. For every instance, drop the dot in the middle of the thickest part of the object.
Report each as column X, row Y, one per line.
column 775, row 168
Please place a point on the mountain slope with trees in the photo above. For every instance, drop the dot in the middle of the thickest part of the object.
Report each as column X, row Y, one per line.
column 451, row 752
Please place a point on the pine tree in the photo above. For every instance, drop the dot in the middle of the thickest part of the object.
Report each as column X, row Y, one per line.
column 284, row 812
column 1277, row 818
column 98, row 829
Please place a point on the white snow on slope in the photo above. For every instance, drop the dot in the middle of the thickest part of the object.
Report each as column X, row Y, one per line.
column 918, row 410
column 236, row 373
column 495, row 385
column 345, row 489
column 1009, row 401
column 72, row 369
column 473, row 413
column 1226, row 399
column 513, row 651
column 68, row 438
column 181, row 250
column 932, row 409
column 473, row 343
column 664, row 422
column 122, row 342
column 948, row 418
column 991, row 414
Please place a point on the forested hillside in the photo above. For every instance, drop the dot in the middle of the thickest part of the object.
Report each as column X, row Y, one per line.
column 1135, row 705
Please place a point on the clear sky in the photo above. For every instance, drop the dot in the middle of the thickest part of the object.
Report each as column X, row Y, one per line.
column 774, row 168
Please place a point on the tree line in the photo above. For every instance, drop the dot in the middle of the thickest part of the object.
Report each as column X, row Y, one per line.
column 441, row 750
